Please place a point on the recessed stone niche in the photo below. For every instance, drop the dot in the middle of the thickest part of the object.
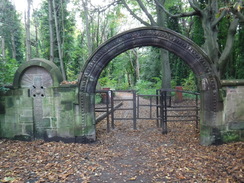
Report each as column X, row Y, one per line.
column 38, row 107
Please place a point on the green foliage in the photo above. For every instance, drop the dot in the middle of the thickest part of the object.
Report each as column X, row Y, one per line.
column 197, row 32
column 11, row 31
column 151, row 65
column 107, row 82
column 7, row 71
column 66, row 27
column 189, row 84
column 145, row 87
column 148, row 87
column 98, row 98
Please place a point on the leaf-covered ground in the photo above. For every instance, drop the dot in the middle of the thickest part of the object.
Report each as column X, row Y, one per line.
column 124, row 155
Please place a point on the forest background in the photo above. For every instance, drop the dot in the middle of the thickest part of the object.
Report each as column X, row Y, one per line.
column 67, row 32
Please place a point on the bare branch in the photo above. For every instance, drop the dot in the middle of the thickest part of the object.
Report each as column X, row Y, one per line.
column 134, row 15
column 144, row 9
column 187, row 14
column 216, row 21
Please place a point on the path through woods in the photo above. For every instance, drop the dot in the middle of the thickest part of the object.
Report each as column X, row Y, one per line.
column 124, row 155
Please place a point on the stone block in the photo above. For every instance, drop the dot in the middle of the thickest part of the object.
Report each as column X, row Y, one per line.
column 12, row 118
column 9, row 130
column 47, row 111
column 66, row 119
column 239, row 125
column 27, row 112
column 65, row 132
column 53, row 122
column 26, row 119
column 51, row 133
column 56, row 93
column 26, row 102
column 67, row 105
column 46, row 123
column 10, row 102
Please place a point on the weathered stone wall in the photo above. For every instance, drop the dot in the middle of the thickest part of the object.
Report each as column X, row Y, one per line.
column 16, row 113
column 60, row 112
column 233, row 114
column 37, row 106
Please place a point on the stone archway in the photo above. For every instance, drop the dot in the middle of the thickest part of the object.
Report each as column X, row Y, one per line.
column 190, row 53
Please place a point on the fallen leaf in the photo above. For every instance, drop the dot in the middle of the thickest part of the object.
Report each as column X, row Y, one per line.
column 133, row 178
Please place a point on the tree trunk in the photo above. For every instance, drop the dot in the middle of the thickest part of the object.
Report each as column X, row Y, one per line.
column 225, row 56
column 88, row 33
column 211, row 36
column 37, row 41
column 50, row 12
column 164, row 55
column 59, row 42
column 63, row 27
column 13, row 46
column 137, row 66
column 28, row 42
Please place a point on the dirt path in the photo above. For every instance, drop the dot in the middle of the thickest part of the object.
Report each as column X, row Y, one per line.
column 124, row 155
column 145, row 155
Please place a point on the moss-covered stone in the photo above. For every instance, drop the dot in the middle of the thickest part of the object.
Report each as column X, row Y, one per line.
column 67, row 105
column 10, row 102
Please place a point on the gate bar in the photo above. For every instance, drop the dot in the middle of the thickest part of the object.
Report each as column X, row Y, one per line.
column 134, row 109
column 112, row 106
column 164, row 111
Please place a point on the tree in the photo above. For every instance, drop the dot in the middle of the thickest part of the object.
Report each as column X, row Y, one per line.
column 211, row 13
column 51, row 34
column 57, row 34
column 161, row 21
column 58, row 40
column 10, row 32
column 27, row 29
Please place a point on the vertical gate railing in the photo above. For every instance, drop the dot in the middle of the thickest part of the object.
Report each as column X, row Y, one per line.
column 177, row 111
column 131, row 107
column 152, row 105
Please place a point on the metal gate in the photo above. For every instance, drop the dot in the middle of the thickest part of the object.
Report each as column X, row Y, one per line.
column 177, row 106
column 165, row 106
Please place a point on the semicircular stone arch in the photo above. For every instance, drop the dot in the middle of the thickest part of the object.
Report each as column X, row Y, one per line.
column 190, row 53
column 46, row 67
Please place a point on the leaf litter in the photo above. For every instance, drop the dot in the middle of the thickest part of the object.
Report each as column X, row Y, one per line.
column 124, row 155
